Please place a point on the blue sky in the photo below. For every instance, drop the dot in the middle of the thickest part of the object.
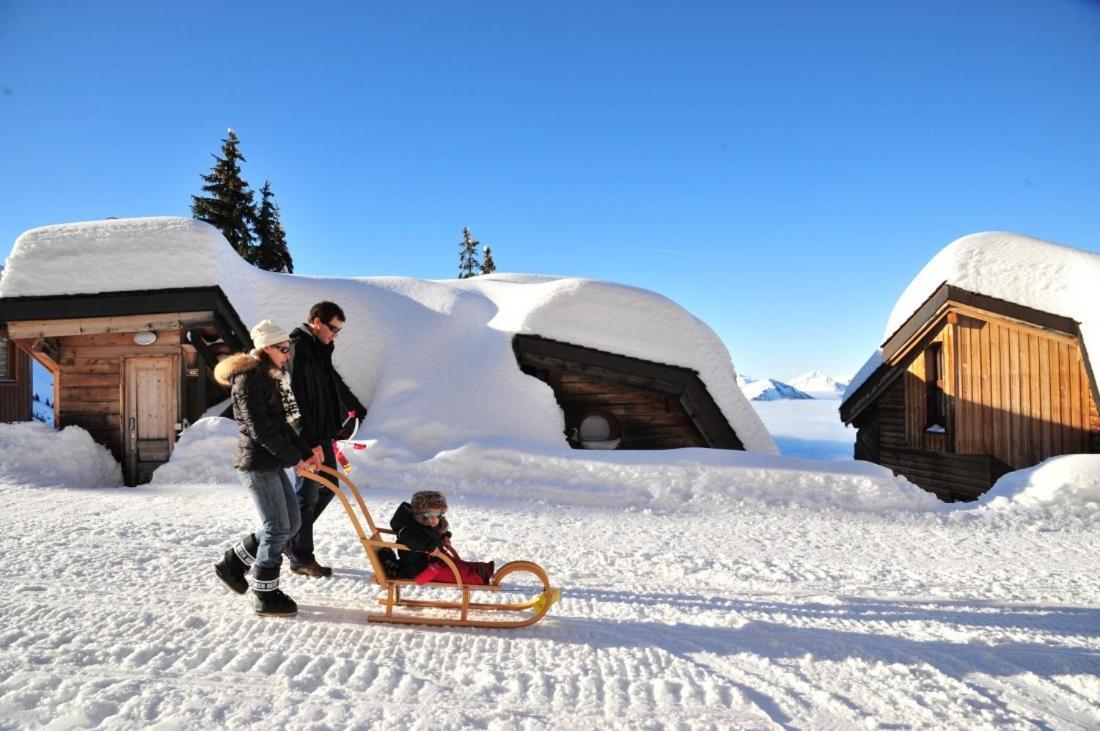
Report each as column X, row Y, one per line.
column 781, row 169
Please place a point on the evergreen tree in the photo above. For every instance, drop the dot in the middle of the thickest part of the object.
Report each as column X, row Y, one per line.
column 272, row 253
column 488, row 266
column 228, row 204
column 468, row 265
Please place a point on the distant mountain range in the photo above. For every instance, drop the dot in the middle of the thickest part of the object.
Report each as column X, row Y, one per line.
column 814, row 384
column 768, row 389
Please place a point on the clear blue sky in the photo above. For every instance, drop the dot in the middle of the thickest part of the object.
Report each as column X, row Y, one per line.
column 782, row 169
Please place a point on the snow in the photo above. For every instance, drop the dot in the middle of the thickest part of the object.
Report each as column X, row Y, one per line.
column 1058, row 483
column 819, row 385
column 701, row 589
column 1030, row 272
column 32, row 453
column 432, row 359
column 768, row 389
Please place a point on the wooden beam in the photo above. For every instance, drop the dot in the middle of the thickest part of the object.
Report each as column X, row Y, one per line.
column 27, row 346
column 108, row 325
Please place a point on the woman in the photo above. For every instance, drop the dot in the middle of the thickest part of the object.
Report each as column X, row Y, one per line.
column 264, row 408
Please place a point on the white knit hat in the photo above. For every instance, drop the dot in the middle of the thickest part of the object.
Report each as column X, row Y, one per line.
column 268, row 333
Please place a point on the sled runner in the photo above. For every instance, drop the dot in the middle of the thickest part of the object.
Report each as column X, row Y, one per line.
column 519, row 592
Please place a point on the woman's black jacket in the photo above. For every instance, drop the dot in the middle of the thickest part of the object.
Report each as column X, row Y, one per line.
column 266, row 442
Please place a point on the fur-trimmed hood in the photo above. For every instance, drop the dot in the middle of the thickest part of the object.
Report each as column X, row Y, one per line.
column 233, row 366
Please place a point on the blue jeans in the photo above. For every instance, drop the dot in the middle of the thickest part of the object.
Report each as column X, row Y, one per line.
column 312, row 501
column 273, row 497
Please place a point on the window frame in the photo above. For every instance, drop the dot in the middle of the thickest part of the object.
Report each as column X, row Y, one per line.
column 935, row 397
column 7, row 373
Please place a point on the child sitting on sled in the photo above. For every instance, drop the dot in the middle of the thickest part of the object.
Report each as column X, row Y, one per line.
column 420, row 524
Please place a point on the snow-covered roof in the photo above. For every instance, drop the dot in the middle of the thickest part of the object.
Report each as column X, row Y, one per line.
column 1038, row 274
column 433, row 359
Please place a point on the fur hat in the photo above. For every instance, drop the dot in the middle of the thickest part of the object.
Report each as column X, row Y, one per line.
column 268, row 333
column 428, row 500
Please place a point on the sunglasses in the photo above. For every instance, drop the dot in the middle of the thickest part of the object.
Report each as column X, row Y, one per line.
column 333, row 329
column 284, row 349
column 429, row 516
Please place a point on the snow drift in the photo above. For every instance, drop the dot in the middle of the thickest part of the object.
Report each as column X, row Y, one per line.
column 1066, row 483
column 432, row 359
column 35, row 454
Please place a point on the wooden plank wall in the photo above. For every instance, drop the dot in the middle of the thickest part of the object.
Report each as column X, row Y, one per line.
column 90, row 381
column 1023, row 393
column 891, row 415
column 16, row 394
column 649, row 420
column 950, row 476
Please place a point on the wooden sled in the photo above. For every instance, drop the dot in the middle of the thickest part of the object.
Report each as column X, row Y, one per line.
column 518, row 613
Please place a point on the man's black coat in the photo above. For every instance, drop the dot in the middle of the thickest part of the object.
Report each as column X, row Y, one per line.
column 323, row 397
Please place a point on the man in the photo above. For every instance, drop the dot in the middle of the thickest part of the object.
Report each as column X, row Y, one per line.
column 324, row 401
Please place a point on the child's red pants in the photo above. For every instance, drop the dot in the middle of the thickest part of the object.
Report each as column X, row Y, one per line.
column 440, row 572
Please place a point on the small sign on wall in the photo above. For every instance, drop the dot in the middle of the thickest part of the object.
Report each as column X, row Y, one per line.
column 192, row 372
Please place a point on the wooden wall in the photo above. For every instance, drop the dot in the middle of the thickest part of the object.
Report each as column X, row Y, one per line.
column 1023, row 393
column 648, row 419
column 90, row 381
column 16, row 394
column 1016, row 395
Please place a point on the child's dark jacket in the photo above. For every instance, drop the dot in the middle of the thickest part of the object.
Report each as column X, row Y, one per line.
column 417, row 536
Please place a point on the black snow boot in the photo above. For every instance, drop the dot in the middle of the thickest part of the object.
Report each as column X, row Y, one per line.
column 232, row 567
column 267, row 598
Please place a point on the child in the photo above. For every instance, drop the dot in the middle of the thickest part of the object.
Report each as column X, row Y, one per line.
column 420, row 524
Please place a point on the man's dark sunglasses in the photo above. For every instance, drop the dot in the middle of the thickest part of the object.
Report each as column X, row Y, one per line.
column 332, row 328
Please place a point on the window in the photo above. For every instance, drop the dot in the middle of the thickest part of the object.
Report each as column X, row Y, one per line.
column 936, row 400
column 599, row 430
column 7, row 365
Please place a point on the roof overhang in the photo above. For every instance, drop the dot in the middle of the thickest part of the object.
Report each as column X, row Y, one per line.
column 676, row 381
column 143, row 302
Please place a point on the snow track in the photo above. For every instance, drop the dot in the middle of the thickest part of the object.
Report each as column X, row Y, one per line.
column 753, row 617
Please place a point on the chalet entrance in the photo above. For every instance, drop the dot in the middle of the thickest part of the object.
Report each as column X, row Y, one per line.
column 150, row 388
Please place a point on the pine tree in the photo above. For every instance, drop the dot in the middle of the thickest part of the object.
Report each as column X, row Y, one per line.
column 272, row 253
column 228, row 205
column 468, row 264
column 488, row 266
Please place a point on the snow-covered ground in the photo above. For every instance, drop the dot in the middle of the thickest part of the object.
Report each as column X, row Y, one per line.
column 701, row 589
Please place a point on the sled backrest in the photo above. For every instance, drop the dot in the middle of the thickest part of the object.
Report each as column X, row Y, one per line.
column 369, row 540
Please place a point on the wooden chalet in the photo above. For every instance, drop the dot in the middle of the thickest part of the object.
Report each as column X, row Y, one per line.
column 613, row 401
column 15, row 380
column 133, row 368
column 972, row 387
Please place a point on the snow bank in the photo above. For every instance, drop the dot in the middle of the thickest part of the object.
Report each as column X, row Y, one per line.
column 432, row 359
column 32, row 453
column 1069, row 483
column 203, row 454
column 1031, row 272
column 693, row 480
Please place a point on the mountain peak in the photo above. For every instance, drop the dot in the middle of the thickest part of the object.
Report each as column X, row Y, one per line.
column 819, row 384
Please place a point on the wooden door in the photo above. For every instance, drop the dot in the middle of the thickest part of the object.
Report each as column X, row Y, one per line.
column 151, row 388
